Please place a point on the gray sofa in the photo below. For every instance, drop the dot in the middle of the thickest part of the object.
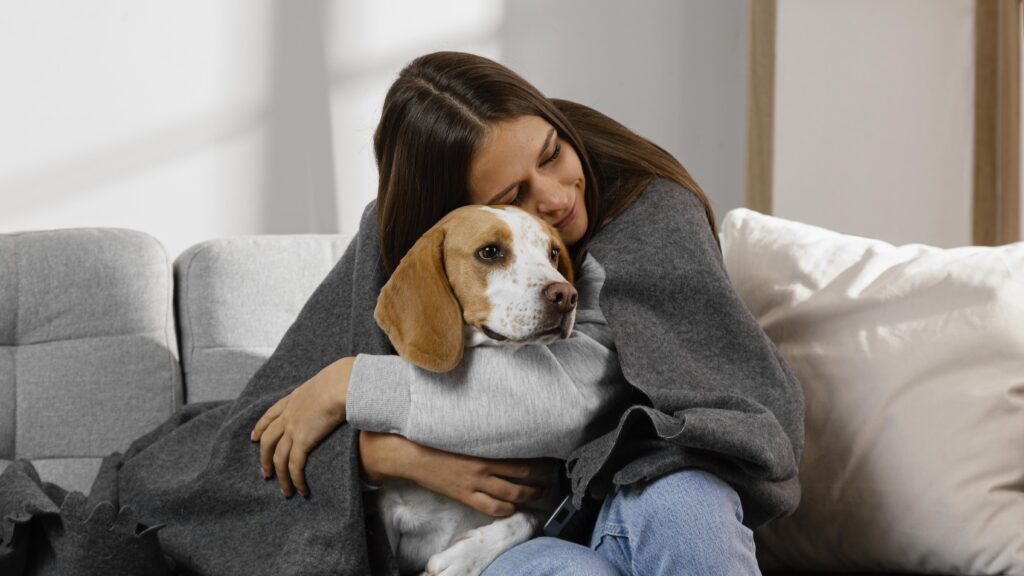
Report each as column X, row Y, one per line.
column 102, row 336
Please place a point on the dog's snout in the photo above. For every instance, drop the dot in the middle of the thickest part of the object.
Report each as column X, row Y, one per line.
column 562, row 295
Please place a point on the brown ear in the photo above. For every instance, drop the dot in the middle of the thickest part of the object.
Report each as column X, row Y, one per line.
column 418, row 310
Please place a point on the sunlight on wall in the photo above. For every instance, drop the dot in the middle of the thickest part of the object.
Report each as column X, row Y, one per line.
column 197, row 120
column 137, row 114
column 368, row 44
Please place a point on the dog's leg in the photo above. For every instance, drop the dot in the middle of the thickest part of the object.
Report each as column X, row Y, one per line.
column 476, row 549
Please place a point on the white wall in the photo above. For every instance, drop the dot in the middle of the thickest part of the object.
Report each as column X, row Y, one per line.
column 368, row 44
column 192, row 120
column 874, row 110
column 134, row 113
column 673, row 71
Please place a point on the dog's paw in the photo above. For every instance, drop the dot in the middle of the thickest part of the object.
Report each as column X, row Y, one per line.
column 469, row 556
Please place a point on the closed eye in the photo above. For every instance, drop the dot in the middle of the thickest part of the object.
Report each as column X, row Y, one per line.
column 517, row 200
column 557, row 153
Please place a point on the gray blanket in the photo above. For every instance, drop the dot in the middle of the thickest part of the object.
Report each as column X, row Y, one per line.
column 711, row 391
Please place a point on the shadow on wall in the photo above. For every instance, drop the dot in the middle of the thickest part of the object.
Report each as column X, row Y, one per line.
column 298, row 183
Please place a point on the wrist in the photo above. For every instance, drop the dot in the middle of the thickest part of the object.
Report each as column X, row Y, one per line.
column 342, row 375
column 373, row 469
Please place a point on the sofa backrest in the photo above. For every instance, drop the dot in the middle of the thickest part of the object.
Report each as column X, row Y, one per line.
column 88, row 351
column 92, row 320
column 235, row 299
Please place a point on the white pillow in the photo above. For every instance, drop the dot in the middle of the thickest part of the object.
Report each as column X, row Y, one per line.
column 912, row 363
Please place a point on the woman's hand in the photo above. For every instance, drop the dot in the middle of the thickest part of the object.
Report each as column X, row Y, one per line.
column 493, row 487
column 293, row 426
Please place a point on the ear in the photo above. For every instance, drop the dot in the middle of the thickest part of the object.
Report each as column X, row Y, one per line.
column 418, row 310
column 564, row 262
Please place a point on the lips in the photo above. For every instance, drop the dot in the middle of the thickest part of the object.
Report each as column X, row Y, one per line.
column 493, row 335
column 568, row 218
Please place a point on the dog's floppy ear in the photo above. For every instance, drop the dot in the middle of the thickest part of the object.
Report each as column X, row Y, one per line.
column 418, row 310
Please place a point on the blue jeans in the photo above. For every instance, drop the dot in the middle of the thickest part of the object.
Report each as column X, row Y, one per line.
column 686, row 522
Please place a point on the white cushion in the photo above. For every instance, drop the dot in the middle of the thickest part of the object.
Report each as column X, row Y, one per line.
column 912, row 363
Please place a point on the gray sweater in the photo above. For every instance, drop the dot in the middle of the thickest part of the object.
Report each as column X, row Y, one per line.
column 525, row 402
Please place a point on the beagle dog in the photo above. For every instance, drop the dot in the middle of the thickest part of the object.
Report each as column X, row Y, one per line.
column 482, row 276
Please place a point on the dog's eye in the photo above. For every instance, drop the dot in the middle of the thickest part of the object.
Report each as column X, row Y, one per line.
column 491, row 252
column 554, row 254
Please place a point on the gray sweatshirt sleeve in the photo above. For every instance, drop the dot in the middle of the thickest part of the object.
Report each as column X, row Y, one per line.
column 499, row 402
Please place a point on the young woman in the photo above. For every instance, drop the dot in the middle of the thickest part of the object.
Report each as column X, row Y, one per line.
column 705, row 446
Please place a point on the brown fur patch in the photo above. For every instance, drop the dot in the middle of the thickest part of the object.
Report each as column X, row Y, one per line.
column 469, row 231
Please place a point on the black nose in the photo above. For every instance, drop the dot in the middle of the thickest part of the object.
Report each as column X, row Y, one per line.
column 562, row 295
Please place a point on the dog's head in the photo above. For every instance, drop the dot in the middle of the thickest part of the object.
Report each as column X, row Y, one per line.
column 497, row 270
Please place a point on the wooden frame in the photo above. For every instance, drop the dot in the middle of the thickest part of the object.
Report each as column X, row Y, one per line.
column 997, row 130
column 997, row 117
column 760, row 106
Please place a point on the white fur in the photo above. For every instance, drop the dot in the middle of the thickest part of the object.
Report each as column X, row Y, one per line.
column 518, row 306
column 448, row 537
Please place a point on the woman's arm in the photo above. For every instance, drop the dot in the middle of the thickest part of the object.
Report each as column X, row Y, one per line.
column 296, row 423
column 493, row 487
column 498, row 403
column 293, row 426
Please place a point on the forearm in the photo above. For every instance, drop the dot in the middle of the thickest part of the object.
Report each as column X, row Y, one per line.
column 499, row 402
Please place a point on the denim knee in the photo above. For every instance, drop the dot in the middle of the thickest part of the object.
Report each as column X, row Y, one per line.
column 685, row 522
column 547, row 556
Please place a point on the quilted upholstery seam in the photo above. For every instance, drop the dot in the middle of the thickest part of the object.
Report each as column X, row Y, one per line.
column 170, row 306
column 188, row 318
column 168, row 321
column 14, row 355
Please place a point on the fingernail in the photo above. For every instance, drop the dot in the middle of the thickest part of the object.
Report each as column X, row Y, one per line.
column 283, row 493
column 263, row 472
column 252, row 435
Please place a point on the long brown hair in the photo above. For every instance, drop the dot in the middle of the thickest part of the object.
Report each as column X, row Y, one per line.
column 438, row 111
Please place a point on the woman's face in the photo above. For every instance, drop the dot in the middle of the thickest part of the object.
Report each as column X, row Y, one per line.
column 523, row 162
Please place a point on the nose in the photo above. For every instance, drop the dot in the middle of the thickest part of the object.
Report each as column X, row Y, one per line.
column 551, row 197
column 561, row 295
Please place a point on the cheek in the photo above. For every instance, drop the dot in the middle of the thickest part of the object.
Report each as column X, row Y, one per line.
column 572, row 169
column 471, row 291
column 516, row 295
column 572, row 165
column 581, row 214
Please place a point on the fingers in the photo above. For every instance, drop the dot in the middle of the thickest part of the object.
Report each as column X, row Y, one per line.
column 534, row 469
column 285, row 458
column 281, row 465
column 297, row 467
column 498, row 497
column 287, row 432
column 268, row 417
column 501, row 489
column 268, row 445
column 490, row 506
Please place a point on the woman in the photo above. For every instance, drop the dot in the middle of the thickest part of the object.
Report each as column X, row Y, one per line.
column 697, row 443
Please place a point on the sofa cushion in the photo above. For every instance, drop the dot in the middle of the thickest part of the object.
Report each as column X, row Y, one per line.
column 912, row 363
column 236, row 297
column 88, row 352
